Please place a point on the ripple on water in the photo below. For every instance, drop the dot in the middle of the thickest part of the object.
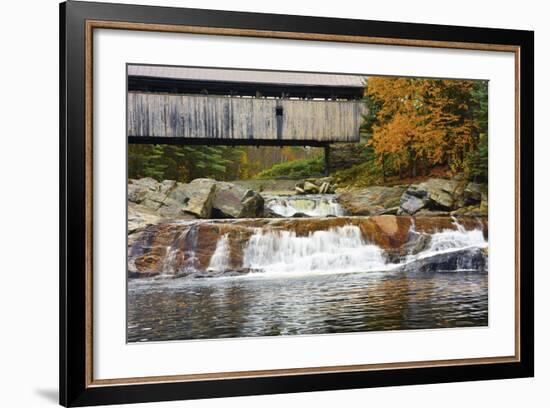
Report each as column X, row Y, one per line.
column 180, row 309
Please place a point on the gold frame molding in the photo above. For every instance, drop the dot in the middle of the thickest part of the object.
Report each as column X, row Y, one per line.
column 116, row 25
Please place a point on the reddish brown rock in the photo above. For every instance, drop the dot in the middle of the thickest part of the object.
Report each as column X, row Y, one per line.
column 195, row 241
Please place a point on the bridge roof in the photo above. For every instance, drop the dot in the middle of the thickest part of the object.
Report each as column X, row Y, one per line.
column 279, row 78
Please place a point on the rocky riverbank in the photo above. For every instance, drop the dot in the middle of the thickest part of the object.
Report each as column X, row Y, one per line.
column 433, row 197
column 151, row 202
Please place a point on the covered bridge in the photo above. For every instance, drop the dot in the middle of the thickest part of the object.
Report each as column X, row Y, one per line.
column 242, row 107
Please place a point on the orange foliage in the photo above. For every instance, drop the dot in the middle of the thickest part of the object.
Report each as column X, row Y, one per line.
column 422, row 121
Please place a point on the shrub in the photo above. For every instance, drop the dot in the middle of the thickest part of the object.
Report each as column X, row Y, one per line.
column 360, row 175
column 294, row 169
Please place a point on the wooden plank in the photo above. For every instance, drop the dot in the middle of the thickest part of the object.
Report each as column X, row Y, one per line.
column 223, row 117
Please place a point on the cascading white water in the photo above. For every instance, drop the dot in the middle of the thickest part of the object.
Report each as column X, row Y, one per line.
column 340, row 249
column 452, row 240
column 334, row 250
column 455, row 239
column 310, row 205
column 449, row 240
column 220, row 258
column 172, row 266
column 168, row 266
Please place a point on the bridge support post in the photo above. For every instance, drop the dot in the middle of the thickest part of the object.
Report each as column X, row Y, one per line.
column 327, row 159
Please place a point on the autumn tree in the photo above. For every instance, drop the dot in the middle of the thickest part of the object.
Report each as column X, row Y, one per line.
column 414, row 123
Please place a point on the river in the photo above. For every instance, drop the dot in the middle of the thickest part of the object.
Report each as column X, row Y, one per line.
column 258, row 279
column 179, row 309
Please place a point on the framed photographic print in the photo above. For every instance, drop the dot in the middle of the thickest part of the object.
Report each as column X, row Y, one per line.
column 256, row 203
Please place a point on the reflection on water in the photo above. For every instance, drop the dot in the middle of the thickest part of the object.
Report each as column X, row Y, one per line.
column 180, row 309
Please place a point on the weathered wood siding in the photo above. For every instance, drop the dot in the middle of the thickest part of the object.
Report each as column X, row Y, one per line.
column 218, row 117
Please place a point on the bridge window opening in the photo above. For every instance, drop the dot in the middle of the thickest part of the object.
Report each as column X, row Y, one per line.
column 226, row 162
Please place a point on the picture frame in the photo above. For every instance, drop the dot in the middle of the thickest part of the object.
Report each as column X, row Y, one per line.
column 78, row 386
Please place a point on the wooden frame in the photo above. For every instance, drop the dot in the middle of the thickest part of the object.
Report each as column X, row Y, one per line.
column 77, row 22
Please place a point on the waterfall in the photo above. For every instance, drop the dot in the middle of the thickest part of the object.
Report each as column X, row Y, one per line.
column 340, row 249
column 220, row 258
column 291, row 247
column 465, row 244
column 449, row 240
column 169, row 264
column 177, row 261
column 313, row 205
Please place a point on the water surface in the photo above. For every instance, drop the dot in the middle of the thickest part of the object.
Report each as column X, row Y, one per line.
column 266, row 305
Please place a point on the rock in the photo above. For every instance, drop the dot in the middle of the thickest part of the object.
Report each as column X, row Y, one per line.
column 415, row 243
column 473, row 259
column 430, row 225
column 390, row 211
column 474, row 193
column 140, row 189
column 147, row 192
column 310, row 188
column 194, row 198
column 146, row 182
column 186, row 248
column 371, row 200
column 151, row 204
column 481, row 210
column 322, row 180
column 233, row 201
column 166, row 186
column 147, row 250
column 183, row 249
column 440, row 193
column 269, row 213
column 137, row 193
column 322, row 185
column 389, row 231
column 429, row 213
column 140, row 217
column 410, row 203
column 433, row 194
column 201, row 198
column 270, row 187
column 300, row 215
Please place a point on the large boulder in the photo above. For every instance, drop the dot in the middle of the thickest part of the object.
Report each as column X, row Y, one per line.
column 148, row 192
column 373, row 200
column 140, row 217
column 193, row 199
column 139, row 189
column 310, row 188
column 433, row 194
column 201, row 193
column 472, row 259
column 474, row 193
column 411, row 204
column 233, row 201
column 439, row 192
column 201, row 198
